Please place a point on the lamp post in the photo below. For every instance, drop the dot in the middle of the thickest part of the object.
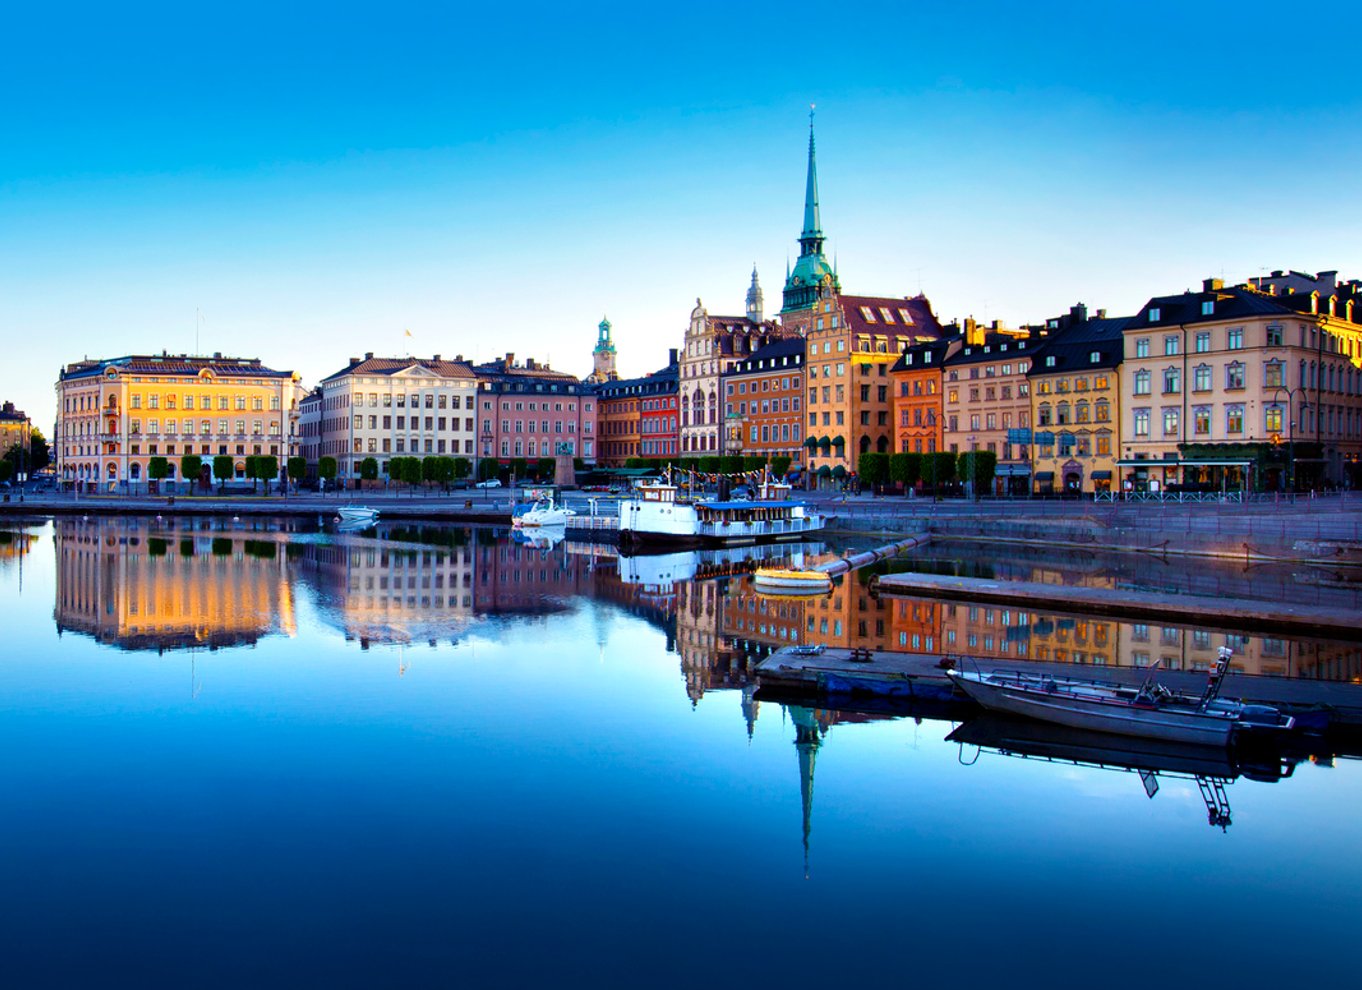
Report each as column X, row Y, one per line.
column 1290, row 428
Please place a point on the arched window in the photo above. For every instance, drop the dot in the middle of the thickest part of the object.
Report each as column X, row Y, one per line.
column 865, row 445
column 135, row 472
column 1062, row 414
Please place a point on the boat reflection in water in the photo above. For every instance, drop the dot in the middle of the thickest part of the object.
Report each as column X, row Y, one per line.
column 1212, row 769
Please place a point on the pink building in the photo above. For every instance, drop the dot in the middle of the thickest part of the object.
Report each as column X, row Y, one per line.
column 529, row 410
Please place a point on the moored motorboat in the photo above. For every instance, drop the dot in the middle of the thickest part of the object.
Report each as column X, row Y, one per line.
column 357, row 514
column 787, row 581
column 1151, row 711
column 658, row 514
column 543, row 512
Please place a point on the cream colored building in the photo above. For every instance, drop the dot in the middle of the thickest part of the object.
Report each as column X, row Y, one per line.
column 114, row 415
column 1221, row 386
column 398, row 407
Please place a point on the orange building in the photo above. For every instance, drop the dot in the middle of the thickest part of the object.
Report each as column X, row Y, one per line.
column 627, row 416
column 917, row 396
column 763, row 396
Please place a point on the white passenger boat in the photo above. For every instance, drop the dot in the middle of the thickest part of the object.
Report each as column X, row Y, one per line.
column 786, row 581
column 543, row 512
column 1151, row 711
column 656, row 514
column 357, row 514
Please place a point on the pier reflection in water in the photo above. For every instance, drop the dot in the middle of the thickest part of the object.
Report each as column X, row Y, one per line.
column 577, row 752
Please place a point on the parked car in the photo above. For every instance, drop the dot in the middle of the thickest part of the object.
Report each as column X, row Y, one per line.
column 490, row 483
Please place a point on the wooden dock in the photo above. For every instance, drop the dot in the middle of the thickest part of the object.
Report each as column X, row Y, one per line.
column 889, row 675
column 1237, row 615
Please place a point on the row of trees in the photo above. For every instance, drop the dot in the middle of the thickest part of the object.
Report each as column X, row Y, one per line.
column 713, row 464
column 942, row 467
column 259, row 467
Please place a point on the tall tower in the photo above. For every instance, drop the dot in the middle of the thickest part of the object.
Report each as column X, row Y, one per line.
column 603, row 357
column 754, row 300
column 812, row 275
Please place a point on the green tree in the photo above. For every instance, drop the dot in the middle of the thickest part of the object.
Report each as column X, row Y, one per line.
column 158, row 469
column 267, row 469
column 463, row 467
column 430, row 469
column 297, row 470
column 413, row 470
column 6, row 470
column 979, row 466
column 326, row 470
column 905, row 469
column 873, row 468
column 488, row 468
column 544, row 469
column 222, row 470
column 250, row 470
column 938, row 468
column 731, row 463
column 520, row 467
column 780, row 464
column 191, row 469
column 708, row 465
column 368, row 469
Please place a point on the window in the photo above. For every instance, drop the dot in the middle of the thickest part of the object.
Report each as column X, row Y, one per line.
column 1154, row 314
column 1202, row 343
column 1234, row 419
column 1142, row 380
column 1235, row 339
column 1142, row 422
column 1170, row 345
column 1142, row 347
column 1172, row 381
column 1201, row 421
column 1234, row 375
column 1170, row 422
column 1274, row 335
column 1273, row 375
column 1201, row 378
column 1273, row 419
column 1208, row 307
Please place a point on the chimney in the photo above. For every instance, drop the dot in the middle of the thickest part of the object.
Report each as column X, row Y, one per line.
column 673, row 356
column 510, row 359
column 435, row 359
column 217, row 355
column 1079, row 312
column 368, row 355
column 973, row 333
column 1101, row 314
column 354, row 361
column 458, row 357
column 530, row 365
column 1212, row 284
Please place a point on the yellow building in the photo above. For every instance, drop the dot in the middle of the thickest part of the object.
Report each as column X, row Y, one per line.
column 14, row 426
column 114, row 415
column 1076, row 406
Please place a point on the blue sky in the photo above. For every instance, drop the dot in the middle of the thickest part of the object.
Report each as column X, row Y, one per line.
column 316, row 179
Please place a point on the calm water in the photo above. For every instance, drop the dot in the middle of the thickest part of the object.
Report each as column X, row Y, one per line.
column 239, row 756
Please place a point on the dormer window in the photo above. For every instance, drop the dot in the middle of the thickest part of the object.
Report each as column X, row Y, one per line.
column 1154, row 314
column 1207, row 308
column 1095, row 356
column 868, row 314
column 1050, row 361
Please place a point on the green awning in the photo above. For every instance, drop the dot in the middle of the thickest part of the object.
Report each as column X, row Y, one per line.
column 825, row 472
column 839, row 471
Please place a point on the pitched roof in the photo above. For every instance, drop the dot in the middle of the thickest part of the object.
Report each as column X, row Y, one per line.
column 1226, row 304
column 888, row 314
column 926, row 356
column 1074, row 348
column 787, row 347
column 998, row 347
column 370, row 365
column 172, row 364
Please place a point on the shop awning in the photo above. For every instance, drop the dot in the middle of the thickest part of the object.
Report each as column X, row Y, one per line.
column 1045, row 476
column 1101, row 476
column 825, row 472
column 1012, row 470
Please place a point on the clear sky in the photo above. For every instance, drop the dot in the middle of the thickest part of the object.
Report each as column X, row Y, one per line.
column 317, row 179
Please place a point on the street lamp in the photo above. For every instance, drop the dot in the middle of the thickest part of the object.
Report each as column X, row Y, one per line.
column 1290, row 428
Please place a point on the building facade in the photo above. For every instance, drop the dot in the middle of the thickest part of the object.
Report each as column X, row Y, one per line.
column 917, row 389
column 603, row 356
column 114, row 415
column 14, row 428
column 763, row 399
column 713, row 346
column 1075, row 405
column 987, row 403
column 531, row 411
column 632, row 417
column 1244, row 387
column 397, row 407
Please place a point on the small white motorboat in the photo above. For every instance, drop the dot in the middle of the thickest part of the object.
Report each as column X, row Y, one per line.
column 542, row 512
column 1151, row 711
column 786, row 581
column 351, row 514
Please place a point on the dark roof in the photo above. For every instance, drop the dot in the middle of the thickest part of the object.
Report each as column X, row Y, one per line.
column 1229, row 304
column 172, row 364
column 937, row 349
column 370, row 365
column 9, row 414
column 789, row 347
column 921, row 321
column 1073, row 348
column 997, row 347
column 658, row 383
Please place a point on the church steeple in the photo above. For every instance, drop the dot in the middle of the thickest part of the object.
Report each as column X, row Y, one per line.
column 603, row 357
column 755, row 305
column 812, row 274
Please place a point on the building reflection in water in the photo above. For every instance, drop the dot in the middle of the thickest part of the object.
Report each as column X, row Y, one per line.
column 140, row 585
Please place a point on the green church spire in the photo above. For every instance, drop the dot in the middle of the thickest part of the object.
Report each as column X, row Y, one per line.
column 812, row 274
